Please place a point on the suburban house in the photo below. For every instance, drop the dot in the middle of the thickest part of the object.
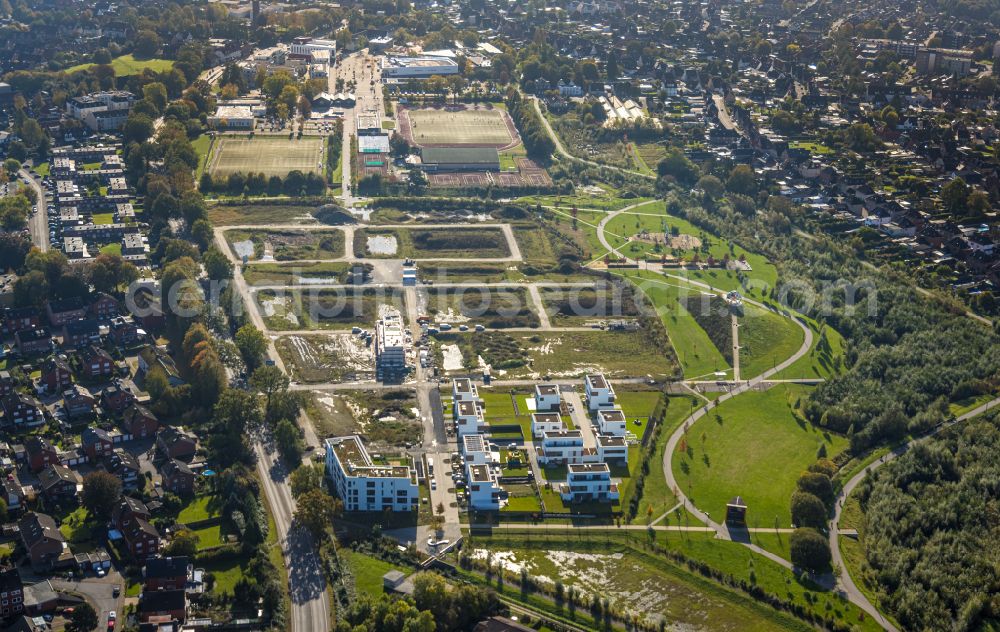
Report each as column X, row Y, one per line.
column 166, row 573
column 11, row 592
column 78, row 333
column 545, row 422
column 15, row 319
column 22, row 410
column 600, row 393
column 155, row 358
column 131, row 517
column 96, row 362
column 611, row 449
column 364, row 486
column 123, row 465
column 463, row 390
column 13, row 493
column 177, row 478
column 7, row 383
column 123, row 331
column 119, row 395
column 469, row 418
column 160, row 605
column 588, row 482
column 611, row 421
column 103, row 306
column 174, row 443
column 65, row 311
column 43, row 541
column 79, row 403
column 30, row 342
column 40, row 453
column 139, row 421
column 560, row 448
column 547, row 398
column 484, row 487
column 96, row 442
column 56, row 375
column 60, row 484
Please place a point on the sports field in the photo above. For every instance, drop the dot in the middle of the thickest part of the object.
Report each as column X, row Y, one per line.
column 452, row 127
column 270, row 156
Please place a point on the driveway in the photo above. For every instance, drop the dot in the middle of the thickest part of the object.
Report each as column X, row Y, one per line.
column 98, row 591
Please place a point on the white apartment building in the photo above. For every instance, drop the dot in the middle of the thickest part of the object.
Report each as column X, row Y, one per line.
column 366, row 486
column 610, row 449
column 390, row 346
column 469, row 418
column 478, row 451
column 559, row 448
column 545, row 422
column 600, row 393
column 547, row 398
column 587, row 483
column 611, row 421
column 484, row 488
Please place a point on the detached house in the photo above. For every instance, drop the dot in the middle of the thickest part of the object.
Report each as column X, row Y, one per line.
column 45, row 545
column 79, row 403
column 40, row 453
column 167, row 573
column 177, row 478
column 118, row 396
column 138, row 421
column 124, row 332
column 7, row 383
column 97, row 443
column 174, row 443
column 131, row 518
column 56, row 375
column 60, row 484
column 123, row 465
column 20, row 410
column 103, row 307
column 160, row 605
column 78, row 333
column 97, row 362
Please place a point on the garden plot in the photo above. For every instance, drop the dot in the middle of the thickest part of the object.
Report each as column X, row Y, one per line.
column 321, row 358
column 286, row 245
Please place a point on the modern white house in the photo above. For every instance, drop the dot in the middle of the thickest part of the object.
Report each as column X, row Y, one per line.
column 611, row 449
column 484, row 487
column 469, row 418
column 611, row 421
column 559, row 448
column 545, row 422
column 547, row 398
column 363, row 485
column 587, row 483
column 600, row 393
column 478, row 451
column 464, row 390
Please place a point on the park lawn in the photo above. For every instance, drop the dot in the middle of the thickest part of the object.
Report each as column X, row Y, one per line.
column 208, row 537
column 111, row 249
column 367, row 571
column 199, row 508
column 821, row 361
column 103, row 218
column 766, row 339
column 752, row 446
column 657, row 497
column 697, row 355
column 128, row 65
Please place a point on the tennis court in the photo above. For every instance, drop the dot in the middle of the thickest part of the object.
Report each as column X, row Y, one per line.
column 270, row 156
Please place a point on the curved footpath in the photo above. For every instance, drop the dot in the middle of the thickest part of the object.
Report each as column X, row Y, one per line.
column 845, row 586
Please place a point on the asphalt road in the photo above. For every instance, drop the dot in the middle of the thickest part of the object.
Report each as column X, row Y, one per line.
column 38, row 224
column 99, row 591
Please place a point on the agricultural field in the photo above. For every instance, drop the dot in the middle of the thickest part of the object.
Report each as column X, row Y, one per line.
column 313, row 359
column 328, row 308
column 580, row 306
column 303, row 273
column 496, row 308
column 286, row 245
column 754, row 446
column 267, row 155
column 475, row 126
column 431, row 243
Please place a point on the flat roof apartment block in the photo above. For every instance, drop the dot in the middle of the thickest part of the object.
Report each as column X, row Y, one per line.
column 364, row 485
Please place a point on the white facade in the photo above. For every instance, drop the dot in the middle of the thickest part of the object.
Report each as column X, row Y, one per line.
column 364, row 486
column 586, row 483
column 390, row 345
column 478, row 451
column 558, row 448
column 484, row 488
column 611, row 449
column 547, row 397
column 545, row 422
column 469, row 418
column 600, row 393
column 611, row 421
column 232, row 117
column 464, row 390
column 418, row 67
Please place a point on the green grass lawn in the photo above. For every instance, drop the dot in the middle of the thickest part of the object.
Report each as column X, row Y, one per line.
column 766, row 339
column 752, row 446
column 199, row 508
column 695, row 351
column 103, row 218
column 128, row 65
column 112, row 249
column 657, row 497
column 822, row 359
column 76, row 527
column 202, row 145
column 367, row 571
column 227, row 573
column 42, row 169
column 209, row 537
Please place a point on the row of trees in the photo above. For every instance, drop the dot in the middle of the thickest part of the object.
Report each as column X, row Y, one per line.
column 533, row 133
column 295, row 183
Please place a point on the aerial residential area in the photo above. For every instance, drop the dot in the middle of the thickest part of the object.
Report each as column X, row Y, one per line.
column 499, row 316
